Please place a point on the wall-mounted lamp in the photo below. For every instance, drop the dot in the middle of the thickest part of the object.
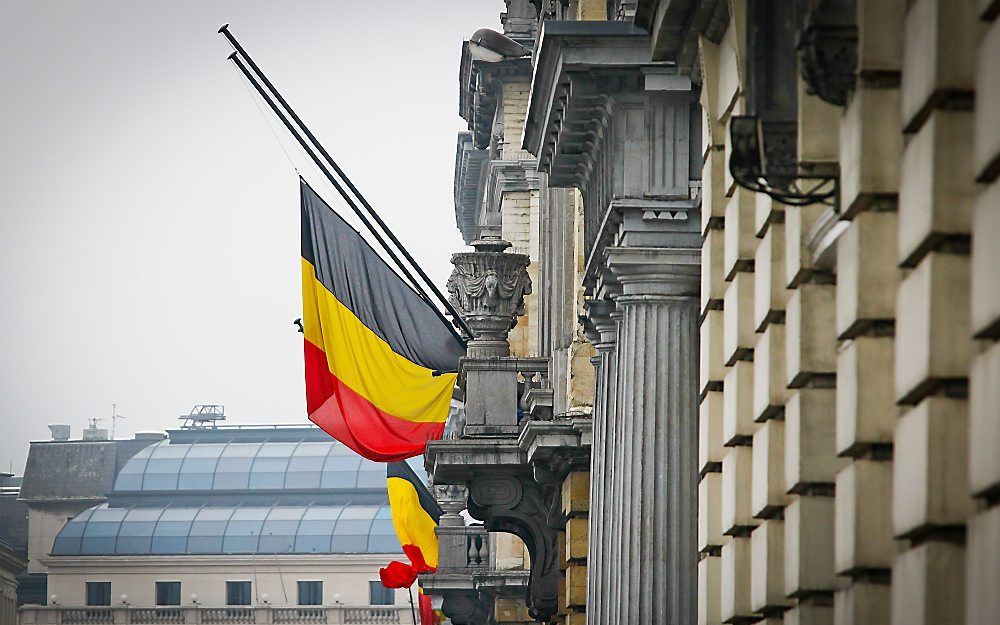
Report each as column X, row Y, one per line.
column 194, row 598
column 54, row 600
column 264, row 598
column 124, row 599
column 752, row 169
column 336, row 598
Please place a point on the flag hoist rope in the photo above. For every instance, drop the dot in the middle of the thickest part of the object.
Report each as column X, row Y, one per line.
column 256, row 77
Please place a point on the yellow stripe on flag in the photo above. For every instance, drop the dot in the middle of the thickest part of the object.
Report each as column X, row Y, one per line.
column 360, row 359
column 413, row 525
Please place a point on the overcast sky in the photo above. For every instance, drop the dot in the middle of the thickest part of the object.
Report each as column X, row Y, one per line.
column 148, row 217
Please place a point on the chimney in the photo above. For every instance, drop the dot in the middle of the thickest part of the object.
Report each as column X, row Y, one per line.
column 60, row 431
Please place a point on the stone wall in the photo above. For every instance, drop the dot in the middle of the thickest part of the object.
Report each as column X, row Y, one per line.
column 849, row 415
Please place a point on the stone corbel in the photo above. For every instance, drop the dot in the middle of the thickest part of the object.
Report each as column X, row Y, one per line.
column 518, row 505
column 553, row 449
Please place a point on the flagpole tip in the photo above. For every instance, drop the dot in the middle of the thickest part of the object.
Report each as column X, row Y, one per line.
column 224, row 27
column 232, row 55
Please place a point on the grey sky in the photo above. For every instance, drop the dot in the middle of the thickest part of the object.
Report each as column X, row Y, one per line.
column 148, row 218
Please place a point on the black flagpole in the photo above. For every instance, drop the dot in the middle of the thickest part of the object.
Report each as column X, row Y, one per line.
column 412, row 610
column 329, row 176
column 350, row 185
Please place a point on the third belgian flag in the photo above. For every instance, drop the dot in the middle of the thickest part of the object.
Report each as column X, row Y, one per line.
column 372, row 345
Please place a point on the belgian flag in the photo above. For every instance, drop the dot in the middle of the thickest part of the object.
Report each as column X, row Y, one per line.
column 415, row 515
column 374, row 348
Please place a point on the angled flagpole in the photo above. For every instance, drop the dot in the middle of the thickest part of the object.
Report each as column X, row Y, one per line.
column 329, row 176
column 258, row 73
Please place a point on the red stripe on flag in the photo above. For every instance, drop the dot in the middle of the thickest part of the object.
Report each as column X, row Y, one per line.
column 355, row 421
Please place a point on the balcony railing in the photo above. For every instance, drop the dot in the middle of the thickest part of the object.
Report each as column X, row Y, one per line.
column 155, row 616
column 88, row 616
column 228, row 615
column 233, row 615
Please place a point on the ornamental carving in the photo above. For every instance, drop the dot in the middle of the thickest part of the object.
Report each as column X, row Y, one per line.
column 496, row 491
column 488, row 287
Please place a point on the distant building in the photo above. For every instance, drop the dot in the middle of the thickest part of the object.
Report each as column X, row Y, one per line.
column 13, row 514
column 62, row 478
column 11, row 563
column 252, row 524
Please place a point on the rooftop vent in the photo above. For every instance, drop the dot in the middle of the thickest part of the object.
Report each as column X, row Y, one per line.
column 60, row 431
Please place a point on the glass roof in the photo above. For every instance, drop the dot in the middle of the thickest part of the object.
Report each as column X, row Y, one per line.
column 104, row 530
column 250, row 466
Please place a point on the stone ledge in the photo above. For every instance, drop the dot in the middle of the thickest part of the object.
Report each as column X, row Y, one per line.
column 457, row 461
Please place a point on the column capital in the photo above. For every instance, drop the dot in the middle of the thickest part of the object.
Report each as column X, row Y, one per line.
column 670, row 271
column 599, row 315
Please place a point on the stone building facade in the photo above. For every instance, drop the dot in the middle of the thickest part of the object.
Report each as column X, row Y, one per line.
column 772, row 229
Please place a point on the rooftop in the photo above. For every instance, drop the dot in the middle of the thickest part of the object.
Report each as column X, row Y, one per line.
column 164, row 530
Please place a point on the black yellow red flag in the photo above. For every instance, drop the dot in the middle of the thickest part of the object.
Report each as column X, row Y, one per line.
column 374, row 348
column 415, row 515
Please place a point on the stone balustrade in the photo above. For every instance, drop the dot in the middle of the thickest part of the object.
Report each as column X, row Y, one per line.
column 198, row 615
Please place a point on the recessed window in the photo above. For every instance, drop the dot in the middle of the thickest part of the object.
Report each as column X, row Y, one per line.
column 168, row 593
column 98, row 593
column 310, row 593
column 237, row 593
column 380, row 595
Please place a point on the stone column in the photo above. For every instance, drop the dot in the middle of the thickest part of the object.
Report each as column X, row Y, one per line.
column 657, row 412
column 603, row 337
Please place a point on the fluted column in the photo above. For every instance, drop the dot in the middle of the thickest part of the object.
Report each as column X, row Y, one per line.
column 656, row 416
column 603, row 338
column 617, row 486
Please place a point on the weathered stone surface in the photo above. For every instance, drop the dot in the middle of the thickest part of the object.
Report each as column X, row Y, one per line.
column 937, row 345
column 767, row 577
column 864, row 517
column 928, row 585
column 982, row 578
column 810, row 442
column 929, row 487
column 809, row 523
column 936, row 189
column 984, row 421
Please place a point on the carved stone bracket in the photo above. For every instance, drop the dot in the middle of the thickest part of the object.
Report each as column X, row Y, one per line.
column 553, row 449
column 517, row 505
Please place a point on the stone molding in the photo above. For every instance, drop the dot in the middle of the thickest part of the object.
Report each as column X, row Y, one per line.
column 508, row 177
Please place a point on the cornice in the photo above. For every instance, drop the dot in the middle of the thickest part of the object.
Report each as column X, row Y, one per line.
column 509, row 177
column 578, row 47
